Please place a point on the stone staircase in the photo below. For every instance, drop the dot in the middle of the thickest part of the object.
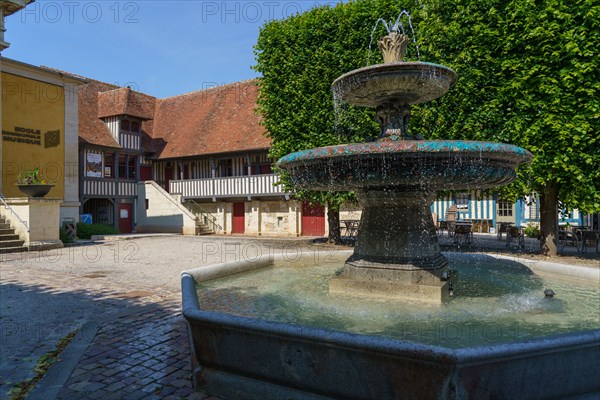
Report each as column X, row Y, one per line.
column 203, row 229
column 205, row 224
column 9, row 241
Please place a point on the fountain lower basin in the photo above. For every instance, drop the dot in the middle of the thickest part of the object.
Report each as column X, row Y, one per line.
column 243, row 357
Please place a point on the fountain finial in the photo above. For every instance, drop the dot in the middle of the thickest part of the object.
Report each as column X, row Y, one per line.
column 393, row 46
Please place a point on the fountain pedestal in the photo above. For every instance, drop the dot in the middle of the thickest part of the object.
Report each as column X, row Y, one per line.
column 397, row 255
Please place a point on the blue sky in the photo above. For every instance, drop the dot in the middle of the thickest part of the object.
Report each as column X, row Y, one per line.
column 163, row 48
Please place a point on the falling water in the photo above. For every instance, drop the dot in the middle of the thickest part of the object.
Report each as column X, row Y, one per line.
column 396, row 27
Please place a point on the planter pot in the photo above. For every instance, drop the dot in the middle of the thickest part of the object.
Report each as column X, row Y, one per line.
column 35, row 190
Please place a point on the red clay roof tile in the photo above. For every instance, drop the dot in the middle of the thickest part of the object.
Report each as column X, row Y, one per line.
column 124, row 101
column 211, row 121
column 91, row 129
column 216, row 120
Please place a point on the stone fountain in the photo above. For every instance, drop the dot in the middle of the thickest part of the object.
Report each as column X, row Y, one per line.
column 396, row 257
column 396, row 177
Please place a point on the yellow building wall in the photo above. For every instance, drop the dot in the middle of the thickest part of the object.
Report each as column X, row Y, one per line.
column 33, row 132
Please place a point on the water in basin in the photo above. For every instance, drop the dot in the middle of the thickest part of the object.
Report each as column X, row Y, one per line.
column 495, row 301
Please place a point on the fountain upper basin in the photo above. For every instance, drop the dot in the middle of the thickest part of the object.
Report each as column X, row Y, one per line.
column 405, row 165
column 397, row 82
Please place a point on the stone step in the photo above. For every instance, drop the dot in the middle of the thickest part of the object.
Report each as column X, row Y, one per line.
column 202, row 229
column 8, row 236
column 11, row 243
column 6, row 231
column 5, row 250
column 4, row 225
column 2, row 220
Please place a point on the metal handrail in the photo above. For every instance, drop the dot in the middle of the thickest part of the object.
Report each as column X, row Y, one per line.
column 14, row 213
column 202, row 214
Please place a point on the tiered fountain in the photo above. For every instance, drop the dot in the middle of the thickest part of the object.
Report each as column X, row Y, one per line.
column 397, row 257
column 396, row 177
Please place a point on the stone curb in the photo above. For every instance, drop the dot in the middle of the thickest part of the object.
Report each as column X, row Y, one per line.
column 57, row 375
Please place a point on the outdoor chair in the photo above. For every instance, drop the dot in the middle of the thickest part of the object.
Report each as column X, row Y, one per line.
column 451, row 218
column 566, row 236
column 515, row 233
column 502, row 228
column 463, row 234
column 586, row 237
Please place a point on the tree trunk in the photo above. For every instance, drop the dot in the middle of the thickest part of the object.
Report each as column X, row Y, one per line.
column 333, row 219
column 549, row 220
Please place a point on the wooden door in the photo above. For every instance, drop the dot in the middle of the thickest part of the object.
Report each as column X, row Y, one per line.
column 313, row 220
column 168, row 176
column 125, row 218
column 239, row 222
column 145, row 173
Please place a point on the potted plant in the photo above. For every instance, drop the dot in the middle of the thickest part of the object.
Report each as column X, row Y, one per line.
column 30, row 183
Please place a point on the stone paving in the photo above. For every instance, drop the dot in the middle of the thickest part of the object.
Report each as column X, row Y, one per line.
column 142, row 356
column 46, row 295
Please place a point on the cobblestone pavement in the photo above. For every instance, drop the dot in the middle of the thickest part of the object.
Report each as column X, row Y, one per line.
column 141, row 356
column 46, row 295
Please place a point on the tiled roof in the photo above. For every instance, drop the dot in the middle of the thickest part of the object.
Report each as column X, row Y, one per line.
column 212, row 121
column 124, row 101
column 91, row 129
column 216, row 120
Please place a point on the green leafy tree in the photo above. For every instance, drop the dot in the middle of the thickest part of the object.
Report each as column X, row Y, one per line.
column 529, row 74
column 299, row 58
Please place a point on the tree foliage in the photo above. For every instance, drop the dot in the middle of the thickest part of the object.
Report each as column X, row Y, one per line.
column 299, row 58
column 529, row 74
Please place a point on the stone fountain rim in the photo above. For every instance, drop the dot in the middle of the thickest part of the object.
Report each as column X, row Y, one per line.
column 406, row 148
column 512, row 350
column 367, row 87
column 504, row 368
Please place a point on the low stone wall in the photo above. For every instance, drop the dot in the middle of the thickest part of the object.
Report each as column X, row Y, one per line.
column 42, row 216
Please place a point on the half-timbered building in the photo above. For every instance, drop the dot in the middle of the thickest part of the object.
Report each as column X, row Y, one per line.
column 157, row 165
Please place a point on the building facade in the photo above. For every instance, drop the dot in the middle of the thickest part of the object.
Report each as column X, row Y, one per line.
column 199, row 162
column 39, row 130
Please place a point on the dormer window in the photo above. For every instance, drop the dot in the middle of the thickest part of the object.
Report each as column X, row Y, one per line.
column 130, row 126
column 135, row 126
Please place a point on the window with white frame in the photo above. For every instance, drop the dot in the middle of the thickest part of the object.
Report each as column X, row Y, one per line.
column 504, row 209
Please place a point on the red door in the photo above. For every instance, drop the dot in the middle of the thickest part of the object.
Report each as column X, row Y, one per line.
column 145, row 173
column 125, row 218
column 168, row 175
column 313, row 220
column 238, row 218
